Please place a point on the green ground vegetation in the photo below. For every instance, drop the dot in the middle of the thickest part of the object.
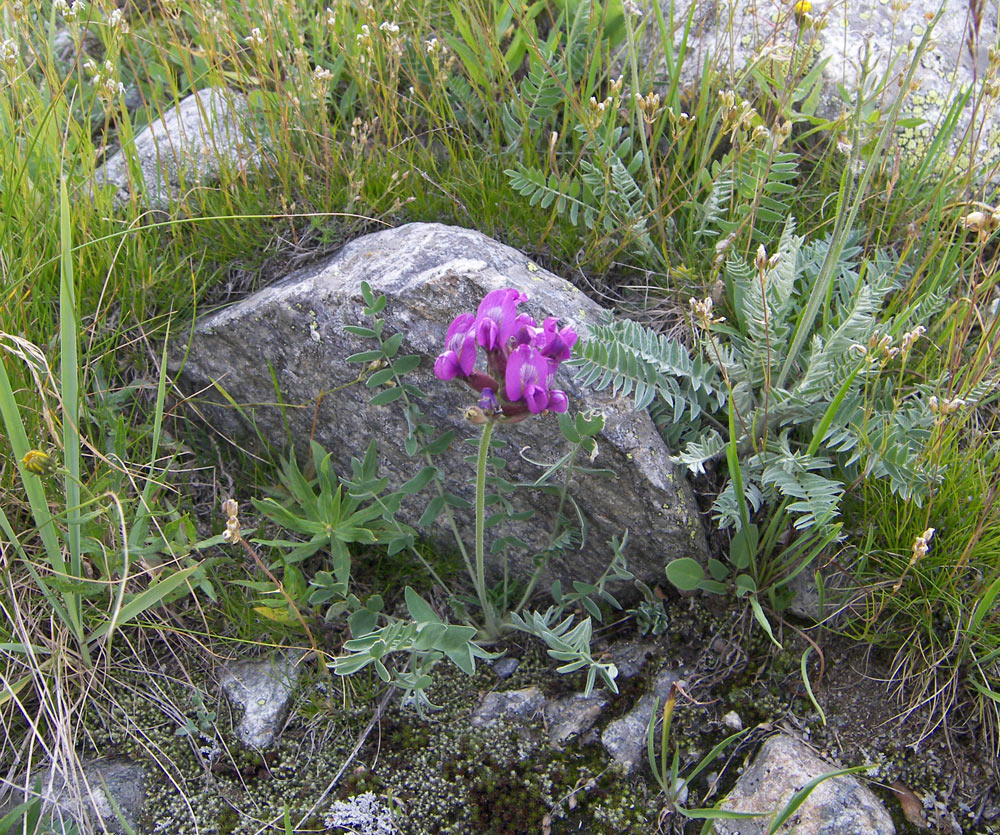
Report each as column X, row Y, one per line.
column 538, row 124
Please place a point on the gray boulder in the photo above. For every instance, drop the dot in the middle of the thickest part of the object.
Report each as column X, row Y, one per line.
column 263, row 690
column 188, row 147
column 429, row 273
column 838, row 806
column 103, row 795
column 732, row 35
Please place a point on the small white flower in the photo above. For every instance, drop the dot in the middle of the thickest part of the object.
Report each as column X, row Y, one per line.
column 909, row 339
column 117, row 21
column 390, row 28
column 632, row 8
column 921, row 545
column 331, row 18
column 113, row 88
column 70, row 9
column 703, row 312
column 321, row 75
column 255, row 38
column 9, row 52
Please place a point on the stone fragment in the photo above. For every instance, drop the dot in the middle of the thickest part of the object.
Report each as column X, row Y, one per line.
column 809, row 604
column 625, row 738
column 105, row 794
column 505, row 667
column 508, row 705
column 766, row 33
column 733, row 721
column 838, row 806
column 69, row 47
column 630, row 657
column 189, row 146
column 292, row 335
column 572, row 716
column 263, row 690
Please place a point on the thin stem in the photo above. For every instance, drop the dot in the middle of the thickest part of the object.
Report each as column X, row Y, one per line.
column 480, row 579
column 537, row 573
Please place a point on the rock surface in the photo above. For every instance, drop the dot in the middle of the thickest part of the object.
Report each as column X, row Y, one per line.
column 91, row 798
column 571, row 717
column 734, row 34
column 429, row 273
column 187, row 147
column 630, row 657
column 508, row 705
column 838, row 806
column 838, row 591
column 263, row 690
column 625, row 738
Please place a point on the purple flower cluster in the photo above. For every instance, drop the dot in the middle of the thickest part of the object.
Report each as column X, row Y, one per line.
column 521, row 357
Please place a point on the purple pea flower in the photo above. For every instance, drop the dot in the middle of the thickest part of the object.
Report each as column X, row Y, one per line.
column 558, row 401
column 497, row 319
column 488, row 402
column 527, row 378
column 554, row 343
column 460, row 356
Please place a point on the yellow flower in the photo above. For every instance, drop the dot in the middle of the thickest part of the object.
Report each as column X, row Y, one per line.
column 802, row 7
column 38, row 462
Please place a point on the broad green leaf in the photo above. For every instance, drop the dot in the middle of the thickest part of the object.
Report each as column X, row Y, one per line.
column 391, row 346
column 685, row 573
column 419, row 608
column 440, row 443
column 387, row 396
column 745, row 585
column 758, row 613
column 568, row 429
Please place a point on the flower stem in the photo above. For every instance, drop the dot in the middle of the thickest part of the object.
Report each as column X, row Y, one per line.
column 480, row 579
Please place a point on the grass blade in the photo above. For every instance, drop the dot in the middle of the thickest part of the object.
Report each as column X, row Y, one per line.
column 69, row 392
column 800, row 797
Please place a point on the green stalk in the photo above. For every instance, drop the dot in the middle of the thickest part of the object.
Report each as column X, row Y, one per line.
column 537, row 573
column 480, row 578
column 69, row 385
column 845, row 219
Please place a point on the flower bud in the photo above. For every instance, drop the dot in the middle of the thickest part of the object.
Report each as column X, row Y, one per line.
column 38, row 462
